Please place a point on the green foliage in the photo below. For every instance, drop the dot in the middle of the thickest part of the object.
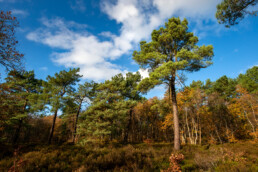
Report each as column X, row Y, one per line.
column 197, row 84
column 249, row 80
column 56, row 87
column 172, row 48
column 109, row 113
column 230, row 12
column 19, row 95
column 225, row 87
column 55, row 90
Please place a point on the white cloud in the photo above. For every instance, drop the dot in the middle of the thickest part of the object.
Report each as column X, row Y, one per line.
column 144, row 73
column 137, row 17
column 17, row 12
column 81, row 48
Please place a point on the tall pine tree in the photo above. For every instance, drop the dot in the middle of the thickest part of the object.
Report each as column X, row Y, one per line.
column 24, row 88
column 172, row 48
column 56, row 89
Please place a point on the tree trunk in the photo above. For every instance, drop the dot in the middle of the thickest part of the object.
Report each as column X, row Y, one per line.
column 175, row 113
column 216, row 129
column 53, row 127
column 188, row 129
column 200, row 136
column 17, row 131
column 128, row 126
column 76, row 121
column 254, row 131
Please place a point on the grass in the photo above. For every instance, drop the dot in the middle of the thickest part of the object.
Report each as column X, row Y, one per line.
column 240, row 156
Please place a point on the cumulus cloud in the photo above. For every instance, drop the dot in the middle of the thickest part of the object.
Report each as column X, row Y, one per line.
column 138, row 18
column 81, row 49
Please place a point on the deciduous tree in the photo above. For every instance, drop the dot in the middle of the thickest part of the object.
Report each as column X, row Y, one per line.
column 10, row 57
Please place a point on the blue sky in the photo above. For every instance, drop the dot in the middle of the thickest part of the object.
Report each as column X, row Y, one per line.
column 100, row 36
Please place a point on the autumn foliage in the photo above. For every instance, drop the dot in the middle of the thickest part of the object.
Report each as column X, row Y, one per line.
column 10, row 57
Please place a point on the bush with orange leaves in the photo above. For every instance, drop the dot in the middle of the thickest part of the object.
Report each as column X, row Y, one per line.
column 174, row 166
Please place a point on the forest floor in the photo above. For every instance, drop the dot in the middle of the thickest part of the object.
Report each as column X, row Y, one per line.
column 240, row 156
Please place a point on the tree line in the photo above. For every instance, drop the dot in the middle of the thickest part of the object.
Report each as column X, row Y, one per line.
column 209, row 112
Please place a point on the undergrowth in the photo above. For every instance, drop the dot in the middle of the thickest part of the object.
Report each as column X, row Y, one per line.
column 138, row 157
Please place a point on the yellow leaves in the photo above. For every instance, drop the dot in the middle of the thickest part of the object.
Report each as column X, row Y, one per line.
column 235, row 109
column 241, row 90
column 204, row 110
column 230, row 136
column 168, row 122
column 190, row 97
column 147, row 108
column 246, row 103
column 184, row 97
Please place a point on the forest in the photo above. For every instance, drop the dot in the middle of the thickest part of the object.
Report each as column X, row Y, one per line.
column 64, row 123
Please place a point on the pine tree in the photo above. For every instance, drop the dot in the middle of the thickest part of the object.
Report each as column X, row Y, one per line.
column 249, row 80
column 85, row 93
column 56, row 88
column 230, row 12
column 225, row 87
column 111, row 111
column 24, row 87
column 172, row 48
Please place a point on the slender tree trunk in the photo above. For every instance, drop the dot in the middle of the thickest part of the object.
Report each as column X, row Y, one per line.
column 253, row 113
column 199, row 129
column 250, row 124
column 188, row 129
column 53, row 127
column 200, row 135
column 128, row 126
column 195, row 128
column 76, row 121
column 175, row 113
column 17, row 131
column 218, row 135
